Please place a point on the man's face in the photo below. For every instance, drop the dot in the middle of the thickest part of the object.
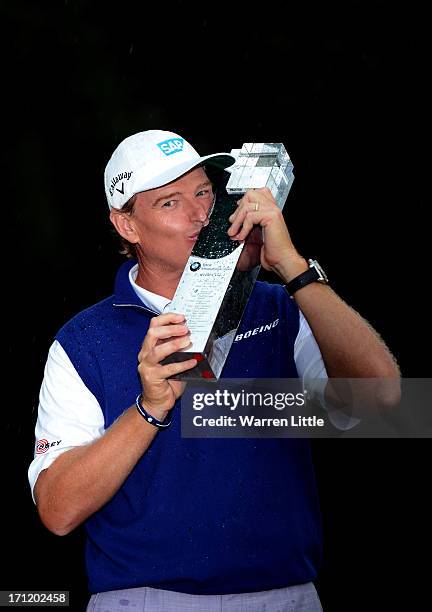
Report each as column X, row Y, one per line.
column 168, row 219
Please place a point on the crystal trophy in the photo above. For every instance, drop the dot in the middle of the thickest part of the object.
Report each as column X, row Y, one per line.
column 213, row 290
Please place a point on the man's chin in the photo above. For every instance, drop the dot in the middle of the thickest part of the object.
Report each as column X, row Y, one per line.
column 182, row 261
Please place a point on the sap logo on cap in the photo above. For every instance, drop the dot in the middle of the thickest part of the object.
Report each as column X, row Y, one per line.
column 170, row 146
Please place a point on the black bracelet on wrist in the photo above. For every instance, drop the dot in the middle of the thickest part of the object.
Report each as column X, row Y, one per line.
column 148, row 417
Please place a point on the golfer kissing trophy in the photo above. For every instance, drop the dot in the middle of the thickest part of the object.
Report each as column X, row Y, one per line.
column 214, row 290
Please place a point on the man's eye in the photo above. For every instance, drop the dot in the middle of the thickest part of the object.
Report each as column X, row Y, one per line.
column 203, row 192
column 169, row 204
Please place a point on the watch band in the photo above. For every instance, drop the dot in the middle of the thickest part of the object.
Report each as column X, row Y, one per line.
column 313, row 275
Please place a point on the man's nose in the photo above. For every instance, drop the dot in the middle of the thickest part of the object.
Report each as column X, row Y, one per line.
column 198, row 211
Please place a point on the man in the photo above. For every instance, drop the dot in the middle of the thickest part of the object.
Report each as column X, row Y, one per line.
column 186, row 524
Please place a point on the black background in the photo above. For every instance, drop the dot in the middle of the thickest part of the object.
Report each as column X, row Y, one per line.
column 342, row 85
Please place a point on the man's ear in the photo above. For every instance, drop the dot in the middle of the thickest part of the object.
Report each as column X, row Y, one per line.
column 124, row 226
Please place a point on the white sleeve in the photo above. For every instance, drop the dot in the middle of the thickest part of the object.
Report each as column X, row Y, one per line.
column 69, row 415
column 312, row 371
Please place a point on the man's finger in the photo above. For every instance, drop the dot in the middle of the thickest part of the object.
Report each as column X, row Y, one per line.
column 159, row 352
column 168, row 317
column 171, row 369
column 160, row 333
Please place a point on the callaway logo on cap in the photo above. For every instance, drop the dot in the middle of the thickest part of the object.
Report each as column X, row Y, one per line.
column 151, row 159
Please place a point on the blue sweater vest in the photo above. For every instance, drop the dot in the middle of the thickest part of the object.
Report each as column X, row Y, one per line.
column 203, row 516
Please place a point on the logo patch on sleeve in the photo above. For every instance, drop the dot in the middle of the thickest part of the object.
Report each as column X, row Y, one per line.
column 43, row 445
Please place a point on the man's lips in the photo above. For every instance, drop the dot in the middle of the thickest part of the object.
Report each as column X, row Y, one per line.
column 194, row 236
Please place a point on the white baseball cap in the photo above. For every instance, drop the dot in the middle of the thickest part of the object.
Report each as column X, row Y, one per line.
column 151, row 159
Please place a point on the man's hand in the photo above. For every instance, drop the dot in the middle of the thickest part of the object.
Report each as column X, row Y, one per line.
column 166, row 335
column 275, row 250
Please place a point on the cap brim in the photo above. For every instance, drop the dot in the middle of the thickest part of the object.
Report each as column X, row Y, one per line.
column 220, row 160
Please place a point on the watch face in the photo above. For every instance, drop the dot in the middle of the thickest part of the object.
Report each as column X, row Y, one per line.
column 314, row 264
